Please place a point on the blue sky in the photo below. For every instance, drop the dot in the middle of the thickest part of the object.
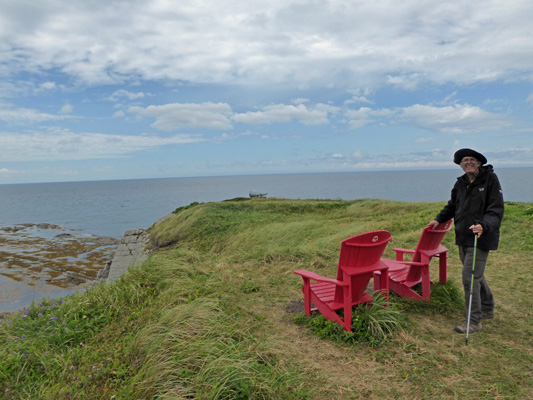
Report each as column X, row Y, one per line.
column 104, row 89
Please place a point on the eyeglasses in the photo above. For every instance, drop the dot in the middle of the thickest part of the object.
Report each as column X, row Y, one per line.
column 468, row 160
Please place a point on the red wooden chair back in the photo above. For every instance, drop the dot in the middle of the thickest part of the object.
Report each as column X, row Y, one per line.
column 363, row 250
column 359, row 253
column 428, row 246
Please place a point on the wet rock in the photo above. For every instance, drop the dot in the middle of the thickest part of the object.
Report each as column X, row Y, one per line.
column 12, row 228
column 104, row 273
column 48, row 226
column 131, row 251
column 100, row 241
column 35, row 262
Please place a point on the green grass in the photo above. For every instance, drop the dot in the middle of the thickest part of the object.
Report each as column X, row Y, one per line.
column 372, row 323
column 216, row 313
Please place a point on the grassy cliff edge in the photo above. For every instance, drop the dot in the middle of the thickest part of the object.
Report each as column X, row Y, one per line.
column 211, row 315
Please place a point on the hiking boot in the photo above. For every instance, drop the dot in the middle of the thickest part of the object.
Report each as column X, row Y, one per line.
column 473, row 327
column 487, row 314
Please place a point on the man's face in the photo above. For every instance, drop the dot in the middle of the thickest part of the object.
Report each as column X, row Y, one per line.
column 470, row 165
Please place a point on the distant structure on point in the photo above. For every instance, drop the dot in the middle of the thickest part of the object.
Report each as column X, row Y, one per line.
column 254, row 193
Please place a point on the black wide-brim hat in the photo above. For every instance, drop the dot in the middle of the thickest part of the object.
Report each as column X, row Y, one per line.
column 462, row 153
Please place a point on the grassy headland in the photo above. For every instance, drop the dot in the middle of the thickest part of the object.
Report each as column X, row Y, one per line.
column 213, row 314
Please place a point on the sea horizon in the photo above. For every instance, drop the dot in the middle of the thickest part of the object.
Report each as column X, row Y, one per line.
column 111, row 207
column 451, row 168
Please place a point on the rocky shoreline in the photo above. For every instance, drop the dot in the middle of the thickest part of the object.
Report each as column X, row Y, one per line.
column 46, row 260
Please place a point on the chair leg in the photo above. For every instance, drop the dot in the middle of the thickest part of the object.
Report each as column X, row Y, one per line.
column 307, row 296
column 381, row 284
column 377, row 280
column 426, row 291
column 443, row 267
column 347, row 309
column 384, row 285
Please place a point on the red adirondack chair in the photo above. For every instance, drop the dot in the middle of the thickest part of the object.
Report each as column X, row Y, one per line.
column 403, row 275
column 358, row 261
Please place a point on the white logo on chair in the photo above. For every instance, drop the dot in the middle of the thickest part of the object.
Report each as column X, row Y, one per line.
column 375, row 238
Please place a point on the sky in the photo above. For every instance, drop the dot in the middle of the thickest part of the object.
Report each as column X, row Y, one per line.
column 105, row 89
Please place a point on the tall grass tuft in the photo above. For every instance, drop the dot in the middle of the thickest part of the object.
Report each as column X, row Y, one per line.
column 197, row 350
column 371, row 322
column 445, row 299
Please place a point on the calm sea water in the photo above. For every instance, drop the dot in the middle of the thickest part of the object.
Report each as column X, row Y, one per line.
column 109, row 208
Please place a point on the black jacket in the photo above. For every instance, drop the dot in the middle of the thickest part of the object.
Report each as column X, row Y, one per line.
column 480, row 201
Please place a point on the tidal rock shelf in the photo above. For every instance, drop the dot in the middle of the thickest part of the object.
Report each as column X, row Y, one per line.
column 41, row 260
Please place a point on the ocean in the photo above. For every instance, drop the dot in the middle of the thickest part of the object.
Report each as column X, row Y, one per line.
column 109, row 208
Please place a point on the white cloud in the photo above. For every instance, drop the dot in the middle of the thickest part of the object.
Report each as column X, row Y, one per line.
column 358, row 99
column 404, row 43
column 65, row 145
column 364, row 116
column 286, row 113
column 355, row 124
column 456, row 119
column 122, row 93
column 67, row 109
column 404, row 81
column 47, row 85
column 22, row 116
column 177, row 115
column 424, row 140
column 300, row 101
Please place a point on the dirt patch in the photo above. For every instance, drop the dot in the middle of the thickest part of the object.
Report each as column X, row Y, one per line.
column 295, row 307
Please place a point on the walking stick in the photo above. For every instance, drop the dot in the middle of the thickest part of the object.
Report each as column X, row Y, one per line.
column 471, row 289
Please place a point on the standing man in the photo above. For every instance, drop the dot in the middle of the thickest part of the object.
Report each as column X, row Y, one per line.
column 477, row 206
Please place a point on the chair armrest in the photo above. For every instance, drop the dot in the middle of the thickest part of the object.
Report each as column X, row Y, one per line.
column 401, row 252
column 319, row 278
column 409, row 251
column 416, row 263
column 392, row 263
